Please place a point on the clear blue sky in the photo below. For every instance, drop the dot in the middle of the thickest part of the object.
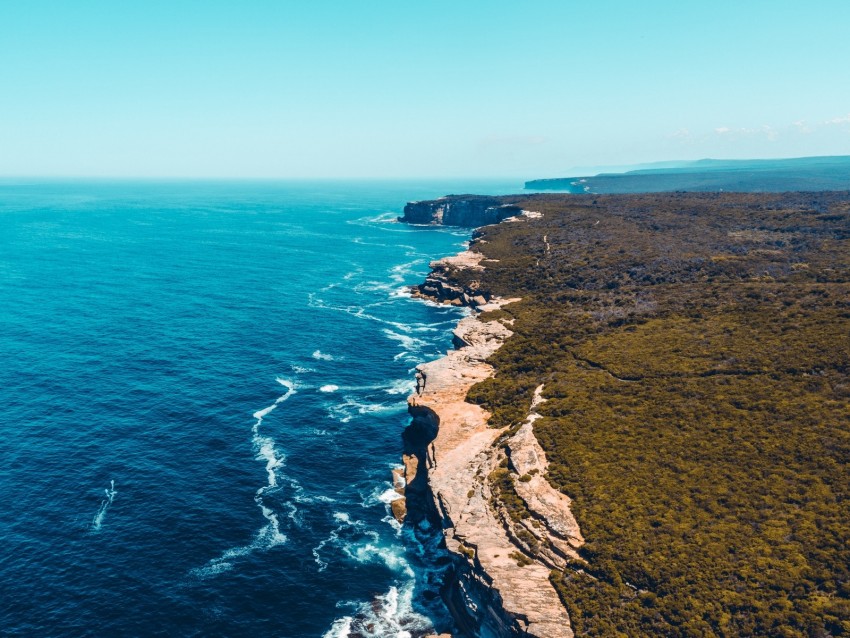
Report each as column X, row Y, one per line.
column 375, row 88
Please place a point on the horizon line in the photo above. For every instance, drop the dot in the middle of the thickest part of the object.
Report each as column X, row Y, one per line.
column 232, row 178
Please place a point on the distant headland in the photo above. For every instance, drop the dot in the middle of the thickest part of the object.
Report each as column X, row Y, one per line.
column 827, row 173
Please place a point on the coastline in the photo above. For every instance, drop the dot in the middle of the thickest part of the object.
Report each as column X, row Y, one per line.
column 685, row 345
column 501, row 581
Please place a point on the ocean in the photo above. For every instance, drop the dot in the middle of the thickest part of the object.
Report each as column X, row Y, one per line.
column 203, row 392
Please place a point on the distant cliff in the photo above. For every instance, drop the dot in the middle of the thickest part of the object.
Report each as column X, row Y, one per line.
column 469, row 211
column 746, row 176
column 565, row 184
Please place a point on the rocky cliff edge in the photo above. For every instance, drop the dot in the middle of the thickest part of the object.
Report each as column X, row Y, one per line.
column 452, row 461
column 469, row 211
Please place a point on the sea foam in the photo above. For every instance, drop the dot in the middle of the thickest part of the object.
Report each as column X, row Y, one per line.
column 270, row 535
column 97, row 521
column 390, row 615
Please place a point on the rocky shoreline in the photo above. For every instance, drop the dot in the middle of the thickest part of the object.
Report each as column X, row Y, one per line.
column 501, row 580
column 696, row 409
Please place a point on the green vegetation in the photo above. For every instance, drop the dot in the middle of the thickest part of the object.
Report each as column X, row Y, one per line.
column 502, row 483
column 467, row 551
column 696, row 355
column 521, row 559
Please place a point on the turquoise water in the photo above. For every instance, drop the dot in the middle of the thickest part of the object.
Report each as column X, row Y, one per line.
column 203, row 392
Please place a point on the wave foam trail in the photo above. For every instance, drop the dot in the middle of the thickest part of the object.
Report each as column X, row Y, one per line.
column 402, row 271
column 360, row 313
column 265, row 449
column 345, row 524
column 97, row 521
column 361, row 545
column 390, row 615
column 394, row 286
column 289, row 385
column 407, row 342
column 351, row 407
column 411, row 347
column 321, row 356
column 401, row 386
column 382, row 218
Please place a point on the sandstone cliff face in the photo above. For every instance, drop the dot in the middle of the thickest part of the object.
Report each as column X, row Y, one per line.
column 469, row 211
column 500, row 585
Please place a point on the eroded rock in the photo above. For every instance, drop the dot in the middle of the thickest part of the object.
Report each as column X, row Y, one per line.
column 491, row 592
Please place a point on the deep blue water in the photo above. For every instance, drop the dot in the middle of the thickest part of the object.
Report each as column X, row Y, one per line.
column 235, row 357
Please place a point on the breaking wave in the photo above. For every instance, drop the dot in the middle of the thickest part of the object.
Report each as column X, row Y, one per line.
column 390, row 615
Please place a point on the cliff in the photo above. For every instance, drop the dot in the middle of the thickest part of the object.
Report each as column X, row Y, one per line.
column 469, row 211
column 500, row 586
column 457, row 469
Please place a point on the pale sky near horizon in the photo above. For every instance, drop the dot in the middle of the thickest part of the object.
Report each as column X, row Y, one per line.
column 400, row 89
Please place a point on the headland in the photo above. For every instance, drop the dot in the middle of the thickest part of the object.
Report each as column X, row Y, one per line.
column 644, row 427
